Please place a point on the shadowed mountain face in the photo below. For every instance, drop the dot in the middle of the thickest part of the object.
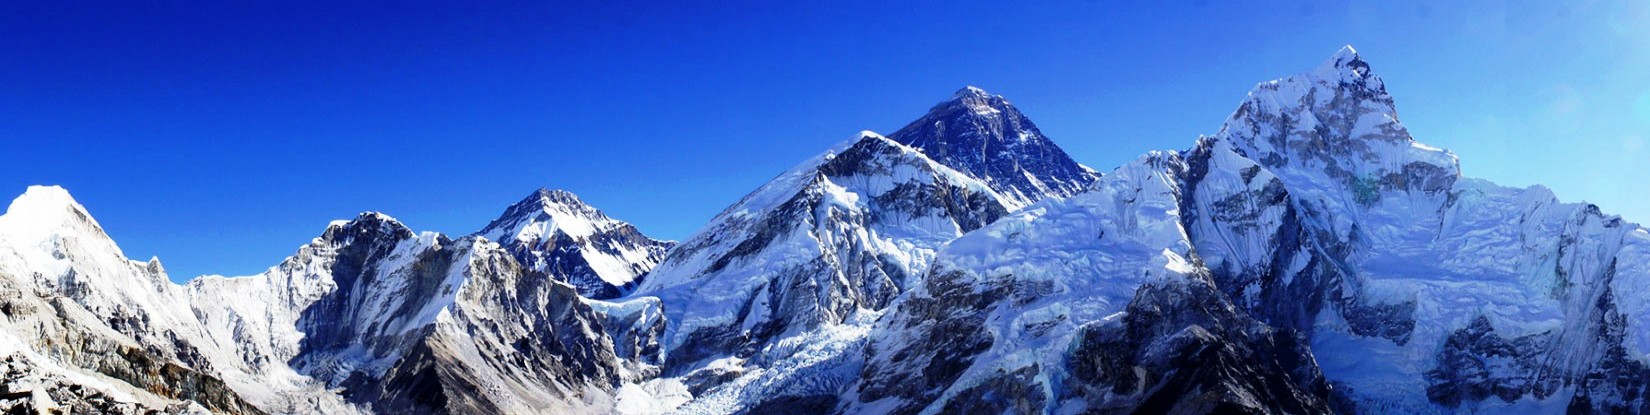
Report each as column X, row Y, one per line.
column 1309, row 257
column 984, row 136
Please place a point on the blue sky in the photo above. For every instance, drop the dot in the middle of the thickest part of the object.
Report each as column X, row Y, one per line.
column 220, row 136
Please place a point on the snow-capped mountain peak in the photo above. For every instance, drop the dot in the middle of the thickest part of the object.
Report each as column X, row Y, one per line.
column 1334, row 131
column 981, row 102
column 367, row 226
column 986, row 137
column 1346, row 65
column 555, row 232
column 49, row 230
column 541, row 213
column 971, row 90
column 43, row 199
column 786, row 281
column 44, row 211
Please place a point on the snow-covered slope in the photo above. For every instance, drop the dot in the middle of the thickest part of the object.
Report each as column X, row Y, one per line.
column 552, row 231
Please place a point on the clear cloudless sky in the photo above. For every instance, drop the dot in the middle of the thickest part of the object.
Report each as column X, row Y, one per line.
column 220, row 135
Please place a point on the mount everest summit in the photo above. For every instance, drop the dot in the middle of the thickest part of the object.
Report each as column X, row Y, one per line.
column 1310, row 256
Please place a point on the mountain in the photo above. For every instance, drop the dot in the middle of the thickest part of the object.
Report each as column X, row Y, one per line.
column 370, row 316
column 1310, row 256
column 553, row 232
column 770, row 303
column 985, row 137
column 89, row 329
column 424, row 323
column 808, row 259
column 1093, row 303
column 1422, row 289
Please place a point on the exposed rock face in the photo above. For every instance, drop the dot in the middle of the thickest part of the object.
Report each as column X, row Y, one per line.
column 985, row 137
column 952, row 335
column 57, row 326
column 27, row 389
column 384, row 275
column 1476, row 363
column 1183, row 348
column 553, row 232
column 508, row 345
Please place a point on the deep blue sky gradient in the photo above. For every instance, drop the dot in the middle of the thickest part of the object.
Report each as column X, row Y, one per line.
column 220, row 136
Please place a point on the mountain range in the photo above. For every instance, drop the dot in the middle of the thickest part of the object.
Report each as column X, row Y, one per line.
column 1308, row 257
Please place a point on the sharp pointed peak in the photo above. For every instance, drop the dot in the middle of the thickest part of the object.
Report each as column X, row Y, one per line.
column 1345, row 64
column 45, row 210
column 42, row 199
column 556, row 196
column 1346, row 51
column 972, row 91
column 974, row 101
column 986, row 137
column 1346, row 70
column 545, row 200
column 154, row 266
column 544, row 205
column 974, row 95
